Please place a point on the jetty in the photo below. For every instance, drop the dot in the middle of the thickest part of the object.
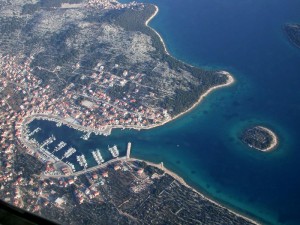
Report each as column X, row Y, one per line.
column 34, row 131
column 68, row 153
column 128, row 150
column 48, row 141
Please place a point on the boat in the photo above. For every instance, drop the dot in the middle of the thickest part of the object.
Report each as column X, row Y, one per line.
column 69, row 152
column 72, row 166
column 114, row 151
column 59, row 146
column 86, row 136
column 82, row 161
column 97, row 156
column 34, row 131
column 48, row 141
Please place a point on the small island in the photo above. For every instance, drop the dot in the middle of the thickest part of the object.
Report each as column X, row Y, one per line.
column 260, row 138
column 293, row 33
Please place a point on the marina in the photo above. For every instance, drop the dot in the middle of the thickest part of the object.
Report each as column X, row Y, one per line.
column 196, row 146
column 52, row 149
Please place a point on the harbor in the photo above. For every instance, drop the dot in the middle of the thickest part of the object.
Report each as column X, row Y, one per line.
column 64, row 153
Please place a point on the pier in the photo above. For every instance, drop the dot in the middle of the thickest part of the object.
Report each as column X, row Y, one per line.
column 59, row 146
column 68, row 153
column 33, row 132
column 91, row 169
column 128, row 150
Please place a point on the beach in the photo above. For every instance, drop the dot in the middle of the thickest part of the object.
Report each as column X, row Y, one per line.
column 274, row 142
column 181, row 181
column 147, row 22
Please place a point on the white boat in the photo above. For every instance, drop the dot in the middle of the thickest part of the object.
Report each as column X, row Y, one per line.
column 59, row 146
column 97, row 156
column 86, row 136
column 34, row 131
column 114, row 151
column 72, row 166
column 48, row 141
column 69, row 152
column 82, row 161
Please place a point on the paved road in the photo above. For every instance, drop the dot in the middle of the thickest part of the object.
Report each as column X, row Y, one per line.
column 87, row 170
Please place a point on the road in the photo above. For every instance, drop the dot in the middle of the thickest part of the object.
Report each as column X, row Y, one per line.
column 87, row 170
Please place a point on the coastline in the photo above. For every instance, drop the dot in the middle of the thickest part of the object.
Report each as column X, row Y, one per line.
column 108, row 129
column 182, row 181
column 288, row 36
column 274, row 142
column 148, row 21
column 230, row 81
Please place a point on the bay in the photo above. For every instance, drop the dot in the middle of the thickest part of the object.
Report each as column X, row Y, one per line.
column 246, row 39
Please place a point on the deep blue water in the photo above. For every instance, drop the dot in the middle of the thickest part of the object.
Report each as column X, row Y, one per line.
column 244, row 37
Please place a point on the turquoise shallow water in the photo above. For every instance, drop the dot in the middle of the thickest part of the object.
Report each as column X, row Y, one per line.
column 245, row 38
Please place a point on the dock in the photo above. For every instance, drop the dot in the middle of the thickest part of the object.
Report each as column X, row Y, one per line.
column 128, row 150
column 114, row 151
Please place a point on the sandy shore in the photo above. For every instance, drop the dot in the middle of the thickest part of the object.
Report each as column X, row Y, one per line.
column 229, row 76
column 274, row 142
column 147, row 22
column 230, row 80
column 181, row 180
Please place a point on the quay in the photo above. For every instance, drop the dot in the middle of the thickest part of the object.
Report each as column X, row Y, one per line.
column 128, row 150
column 91, row 169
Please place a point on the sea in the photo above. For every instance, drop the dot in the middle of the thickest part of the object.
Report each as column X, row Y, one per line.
column 246, row 38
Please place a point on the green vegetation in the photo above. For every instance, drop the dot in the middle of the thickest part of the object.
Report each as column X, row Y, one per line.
column 10, row 24
column 257, row 137
column 134, row 20
column 74, row 43
column 46, row 5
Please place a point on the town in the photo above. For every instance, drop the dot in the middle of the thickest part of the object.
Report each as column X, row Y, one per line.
column 25, row 99
column 94, row 66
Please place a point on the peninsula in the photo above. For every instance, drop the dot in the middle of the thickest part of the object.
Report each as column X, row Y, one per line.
column 94, row 65
column 260, row 138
